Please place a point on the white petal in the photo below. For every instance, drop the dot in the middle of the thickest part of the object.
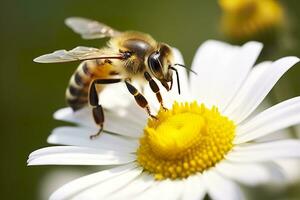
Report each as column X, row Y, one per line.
column 166, row 189
column 128, row 126
column 265, row 151
column 56, row 177
column 72, row 188
column 220, row 188
column 107, row 188
column 280, row 116
column 68, row 155
column 82, row 116
column 115, row 95
column 79, row 136
column 255, row 74
column 136, row 187
column 194, row 188
column 277, row 135
column 241, row 172
column 132, row 113
column 221, row 69
column 256, row 87
column 206, row 63
column 290, row 168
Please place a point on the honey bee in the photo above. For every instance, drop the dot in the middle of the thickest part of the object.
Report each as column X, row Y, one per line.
column 128, row 56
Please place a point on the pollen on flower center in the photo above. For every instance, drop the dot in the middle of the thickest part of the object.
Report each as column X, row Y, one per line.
column 184, row 140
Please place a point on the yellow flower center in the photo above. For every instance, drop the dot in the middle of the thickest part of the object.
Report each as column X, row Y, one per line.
column 184, row 140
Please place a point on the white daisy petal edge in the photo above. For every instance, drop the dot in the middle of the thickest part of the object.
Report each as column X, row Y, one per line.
column 72, row 188
column 253, row 92
column 280, row 116
column 220, row 188
column 240, row 173
column 226, row 79
column 217, row 62
column 189, row 193
column 165, row 189
column 136, row 187
column 79, row 136
column 68, row 155
column 266, row 151
column 106, row 188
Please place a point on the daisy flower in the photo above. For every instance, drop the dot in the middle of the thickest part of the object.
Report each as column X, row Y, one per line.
column 255, row 18
column 205, row 143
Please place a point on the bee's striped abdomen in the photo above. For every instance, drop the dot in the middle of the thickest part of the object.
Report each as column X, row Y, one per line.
column 87, row 71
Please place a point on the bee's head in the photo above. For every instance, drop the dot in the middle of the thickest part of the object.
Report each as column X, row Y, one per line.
column 160, row 63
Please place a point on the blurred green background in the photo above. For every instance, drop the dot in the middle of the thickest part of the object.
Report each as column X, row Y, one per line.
column 31, row 92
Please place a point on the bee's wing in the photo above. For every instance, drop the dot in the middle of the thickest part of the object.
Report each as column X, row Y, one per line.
column 90, row 29
column 76, row 54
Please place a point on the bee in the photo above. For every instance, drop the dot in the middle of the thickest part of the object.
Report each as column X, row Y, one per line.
column 128, row 56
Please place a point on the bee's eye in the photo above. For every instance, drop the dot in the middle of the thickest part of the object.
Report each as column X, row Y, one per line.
column 154, row 63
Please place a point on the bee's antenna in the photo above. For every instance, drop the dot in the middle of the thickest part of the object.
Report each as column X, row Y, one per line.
column 177, row 75
column 188, row 69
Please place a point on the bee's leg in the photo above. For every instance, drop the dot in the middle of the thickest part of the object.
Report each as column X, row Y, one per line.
column 139, row 98
column 94, row 101
column 154, row 87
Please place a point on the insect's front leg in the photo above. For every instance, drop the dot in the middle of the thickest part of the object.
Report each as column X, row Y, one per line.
column 139, row 98
column 154, row 87
column 94, row 101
